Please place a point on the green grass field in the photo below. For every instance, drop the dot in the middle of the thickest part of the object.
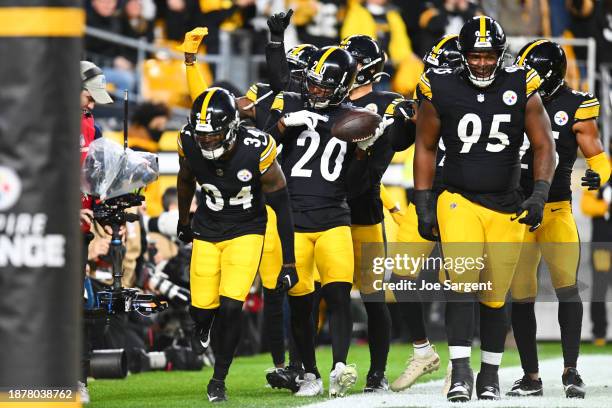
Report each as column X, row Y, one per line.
column 246, row 381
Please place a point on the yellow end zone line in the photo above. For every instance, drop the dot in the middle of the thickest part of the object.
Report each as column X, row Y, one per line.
column 42, row 22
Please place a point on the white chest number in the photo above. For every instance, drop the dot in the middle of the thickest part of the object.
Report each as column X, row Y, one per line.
column 298, row 169
column 214, row 199
column 472, row 120
column 526, row 145
column 257, row 140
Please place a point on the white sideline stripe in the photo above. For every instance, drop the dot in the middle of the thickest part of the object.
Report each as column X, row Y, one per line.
column 596, row 372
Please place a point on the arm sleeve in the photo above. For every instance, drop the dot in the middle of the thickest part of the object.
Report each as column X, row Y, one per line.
column 600, row 164
column 279, row 201
column 278, row 68
column 401, row 133
column 592, row 206
column 195, row 81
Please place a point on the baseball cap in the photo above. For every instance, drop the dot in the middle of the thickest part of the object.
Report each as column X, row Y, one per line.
column 94, row 81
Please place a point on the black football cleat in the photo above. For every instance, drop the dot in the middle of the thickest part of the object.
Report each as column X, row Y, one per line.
column 462, row 384
column 216, row 391
column 487, row 386
column 526, row 387
column 572, row 384
column 376, row 382
column 285, row 378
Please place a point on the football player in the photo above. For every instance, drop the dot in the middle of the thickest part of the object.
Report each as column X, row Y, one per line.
column 481, row 113
column 235, row 166
column 573, row 116
column 316, row 165
column 364, row 192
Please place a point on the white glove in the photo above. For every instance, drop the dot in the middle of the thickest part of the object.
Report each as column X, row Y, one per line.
column 303, row 118
column 384, row 123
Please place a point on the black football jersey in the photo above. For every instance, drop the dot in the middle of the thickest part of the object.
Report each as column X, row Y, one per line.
column 315, row 166
column 482, row 130
column 364, row 192
column 564, row 109
column 264, row 95
column 232, row 202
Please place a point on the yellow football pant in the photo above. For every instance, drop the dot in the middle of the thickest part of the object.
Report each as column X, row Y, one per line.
column 363, row 278
column 225, row 268
column 557, row 241
column 412, row 242
column 331, row 251
column 471, row 231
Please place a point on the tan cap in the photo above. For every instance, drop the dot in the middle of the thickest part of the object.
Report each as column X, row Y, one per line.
column 94, row 82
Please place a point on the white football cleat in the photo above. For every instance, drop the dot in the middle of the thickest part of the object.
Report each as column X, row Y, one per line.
column 310, row 386
column 417, row 367
column 341, row 379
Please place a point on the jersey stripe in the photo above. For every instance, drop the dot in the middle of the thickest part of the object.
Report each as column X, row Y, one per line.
column 252, row 93
column 521, row 60
column 268, row 155
column 533, row 82
column 583, row 113
column 323, row 58
column 179, row 145
column 425, row 87
column 279, row 102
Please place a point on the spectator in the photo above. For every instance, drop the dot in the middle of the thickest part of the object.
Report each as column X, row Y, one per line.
column 173, row 13
column 318, row 21
column 520, row 17
column 442, row 17
column 135, row 25
column 381, row 21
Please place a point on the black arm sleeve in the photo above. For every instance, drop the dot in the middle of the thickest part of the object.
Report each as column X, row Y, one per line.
column 271, row 126
column 278, row 68
column 402, row 134
column 279, row 201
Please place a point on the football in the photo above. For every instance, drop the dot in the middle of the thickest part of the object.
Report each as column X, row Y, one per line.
column 356, row 125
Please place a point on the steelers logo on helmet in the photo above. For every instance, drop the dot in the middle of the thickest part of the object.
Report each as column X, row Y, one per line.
column 482, row 44
column 244, row 175
column 509, row 97
column 329, row 78
column 369, row 56
column 445, row 54
column 561, row 118
column 214, row 118
column 549, row 61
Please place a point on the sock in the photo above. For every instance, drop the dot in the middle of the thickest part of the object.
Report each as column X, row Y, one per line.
column 203, row 318
column 273, row 324
column 422, row 350
column 493, row 330
column 303, row 331
column 524, row 326
column 316, row 302
column 229, row 321
column 570, row 321
column 337, row 295
column 460, row 319
column 411, row 310
column 379, row 335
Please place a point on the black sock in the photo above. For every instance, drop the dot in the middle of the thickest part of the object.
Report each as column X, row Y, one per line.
column 411, row 311
column 203, row 318
column 379, row 335
column 303, row 330
column 295, row 360
column 524, row 326
column 460, row 318
column 337, row 295
column 316, row 302
column 229, row 325
column 273, row 324
column 493, row 328
column 570, row 321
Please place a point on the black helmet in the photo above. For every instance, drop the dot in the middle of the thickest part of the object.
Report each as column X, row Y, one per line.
column 548, row 59
column 329, row 77
column 482, row 33
column 368, row 53
column 214, row 114
column 444, row 54
column 298, row 58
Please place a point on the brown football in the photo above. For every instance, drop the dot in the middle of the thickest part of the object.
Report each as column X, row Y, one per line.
column 355, row 125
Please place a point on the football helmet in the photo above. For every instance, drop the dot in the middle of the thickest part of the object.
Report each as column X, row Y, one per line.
column 329, row 77
column 369, row 56
column 298, row 58
column 482, row 34
column 444, row 54
column 549, row 61
column 214, row 120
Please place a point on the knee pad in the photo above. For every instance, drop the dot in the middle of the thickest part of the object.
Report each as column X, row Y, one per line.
column 568, row 294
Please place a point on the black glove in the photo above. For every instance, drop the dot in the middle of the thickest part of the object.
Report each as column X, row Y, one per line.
column 404, row 110
column 278, row 23
column 184, row 233
column 534, row 206
column 591, row 180
column 426, row 214
column 287, row 278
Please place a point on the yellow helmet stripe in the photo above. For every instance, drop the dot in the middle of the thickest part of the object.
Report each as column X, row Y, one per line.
column 207, row 98
column 483, row 27
column 443, row 41
column 526, row 52
column 298, row 49
column 323, row 58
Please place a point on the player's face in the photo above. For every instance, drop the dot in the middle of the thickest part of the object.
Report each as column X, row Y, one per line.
column 482, row 63
column 210, row 141
column 319, row 91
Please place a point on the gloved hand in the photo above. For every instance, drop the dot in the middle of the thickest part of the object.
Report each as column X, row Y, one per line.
column 404, row 110
column 184, row 233
column 278, row 24
column 534, row 206
column 384, row 123
column 591, row 180
column 287, row 278
column 303, row 118
column 426, row 214
column 192, row 40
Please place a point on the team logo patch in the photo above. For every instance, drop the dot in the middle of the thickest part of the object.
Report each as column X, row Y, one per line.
column 510, row 98
column 10, row 188
column 372, row 107
column 561, row 118
column 244, row 175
